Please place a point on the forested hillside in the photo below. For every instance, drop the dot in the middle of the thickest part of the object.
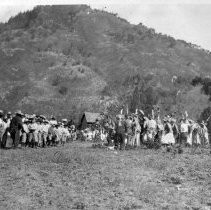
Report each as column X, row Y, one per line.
column 63, row 60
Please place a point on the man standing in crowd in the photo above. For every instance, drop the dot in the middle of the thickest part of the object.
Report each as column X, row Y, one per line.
column 137, row 131
column 45, row 128
column 2, row 126
column 33, row 131
column 129, row 124
column 184, row 131
column 120, row 132
column 16, row 126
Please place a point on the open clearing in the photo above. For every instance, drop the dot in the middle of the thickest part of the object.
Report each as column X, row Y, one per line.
column 78, row 176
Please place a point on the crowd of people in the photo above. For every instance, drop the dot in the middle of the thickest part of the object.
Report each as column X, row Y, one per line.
column 124, row 130
column 33, row 131
column 139, row 129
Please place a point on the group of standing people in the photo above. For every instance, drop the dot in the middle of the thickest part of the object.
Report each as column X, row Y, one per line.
column 139, row 129
column 33, row 131
column 132, row 130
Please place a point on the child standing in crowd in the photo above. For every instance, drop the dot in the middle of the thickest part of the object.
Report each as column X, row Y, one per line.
column 32, row 141
column 64, row 134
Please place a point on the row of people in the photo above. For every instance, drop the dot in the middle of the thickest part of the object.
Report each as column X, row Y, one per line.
column 34, row 131
column 137, row 129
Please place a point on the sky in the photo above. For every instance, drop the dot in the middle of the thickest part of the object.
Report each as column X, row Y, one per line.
column 183, row 19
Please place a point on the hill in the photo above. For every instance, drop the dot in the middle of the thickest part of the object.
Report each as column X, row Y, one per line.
column 63, row 60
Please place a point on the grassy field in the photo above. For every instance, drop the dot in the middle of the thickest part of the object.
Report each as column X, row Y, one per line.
column 78, row 176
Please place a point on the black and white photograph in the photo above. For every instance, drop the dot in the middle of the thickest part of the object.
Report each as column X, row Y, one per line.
column 105, row 105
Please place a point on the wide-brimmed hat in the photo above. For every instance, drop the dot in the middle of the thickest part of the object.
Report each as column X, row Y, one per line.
column 166, row 119
column 173, row 120
column 120, row 116
column 43, row 117
column 18, row 112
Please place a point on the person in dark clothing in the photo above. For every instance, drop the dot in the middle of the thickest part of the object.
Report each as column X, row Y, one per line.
column 16, row 126
column 120, row 132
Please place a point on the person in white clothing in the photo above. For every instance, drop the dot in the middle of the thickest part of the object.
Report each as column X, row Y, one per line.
column 39, row 133
column 137, row 130
column 184, row 131
column 151, row 128
column 53, row 121
column 8, row 119
column 44, row 132
column 64, row 134
column 25, row 133
column 168, row 137
column 2, row 127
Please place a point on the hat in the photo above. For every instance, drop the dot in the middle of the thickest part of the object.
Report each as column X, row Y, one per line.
column 64, row 120
column 166, row 119
column 25, row 120
column 9, row 113
column 19, row 112
column 1, row 111
column 120, row 116
column 173, row 120
column 42, row 116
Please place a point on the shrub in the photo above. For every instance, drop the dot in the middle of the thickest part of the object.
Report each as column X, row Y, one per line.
column 130, row 39
column 66, row 51
column 75, row 63
column 63, row 90
column 87, row 63
column 56, row 81
column 207, row 86
column 205, row 82
column 196, row 81
column 106, row 91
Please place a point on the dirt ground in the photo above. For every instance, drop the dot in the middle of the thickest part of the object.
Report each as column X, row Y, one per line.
column 78, row 176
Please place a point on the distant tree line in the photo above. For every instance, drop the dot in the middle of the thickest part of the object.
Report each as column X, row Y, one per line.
column 23, row 19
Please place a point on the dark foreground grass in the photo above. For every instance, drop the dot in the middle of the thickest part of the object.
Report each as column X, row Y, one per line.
column 78, row 176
